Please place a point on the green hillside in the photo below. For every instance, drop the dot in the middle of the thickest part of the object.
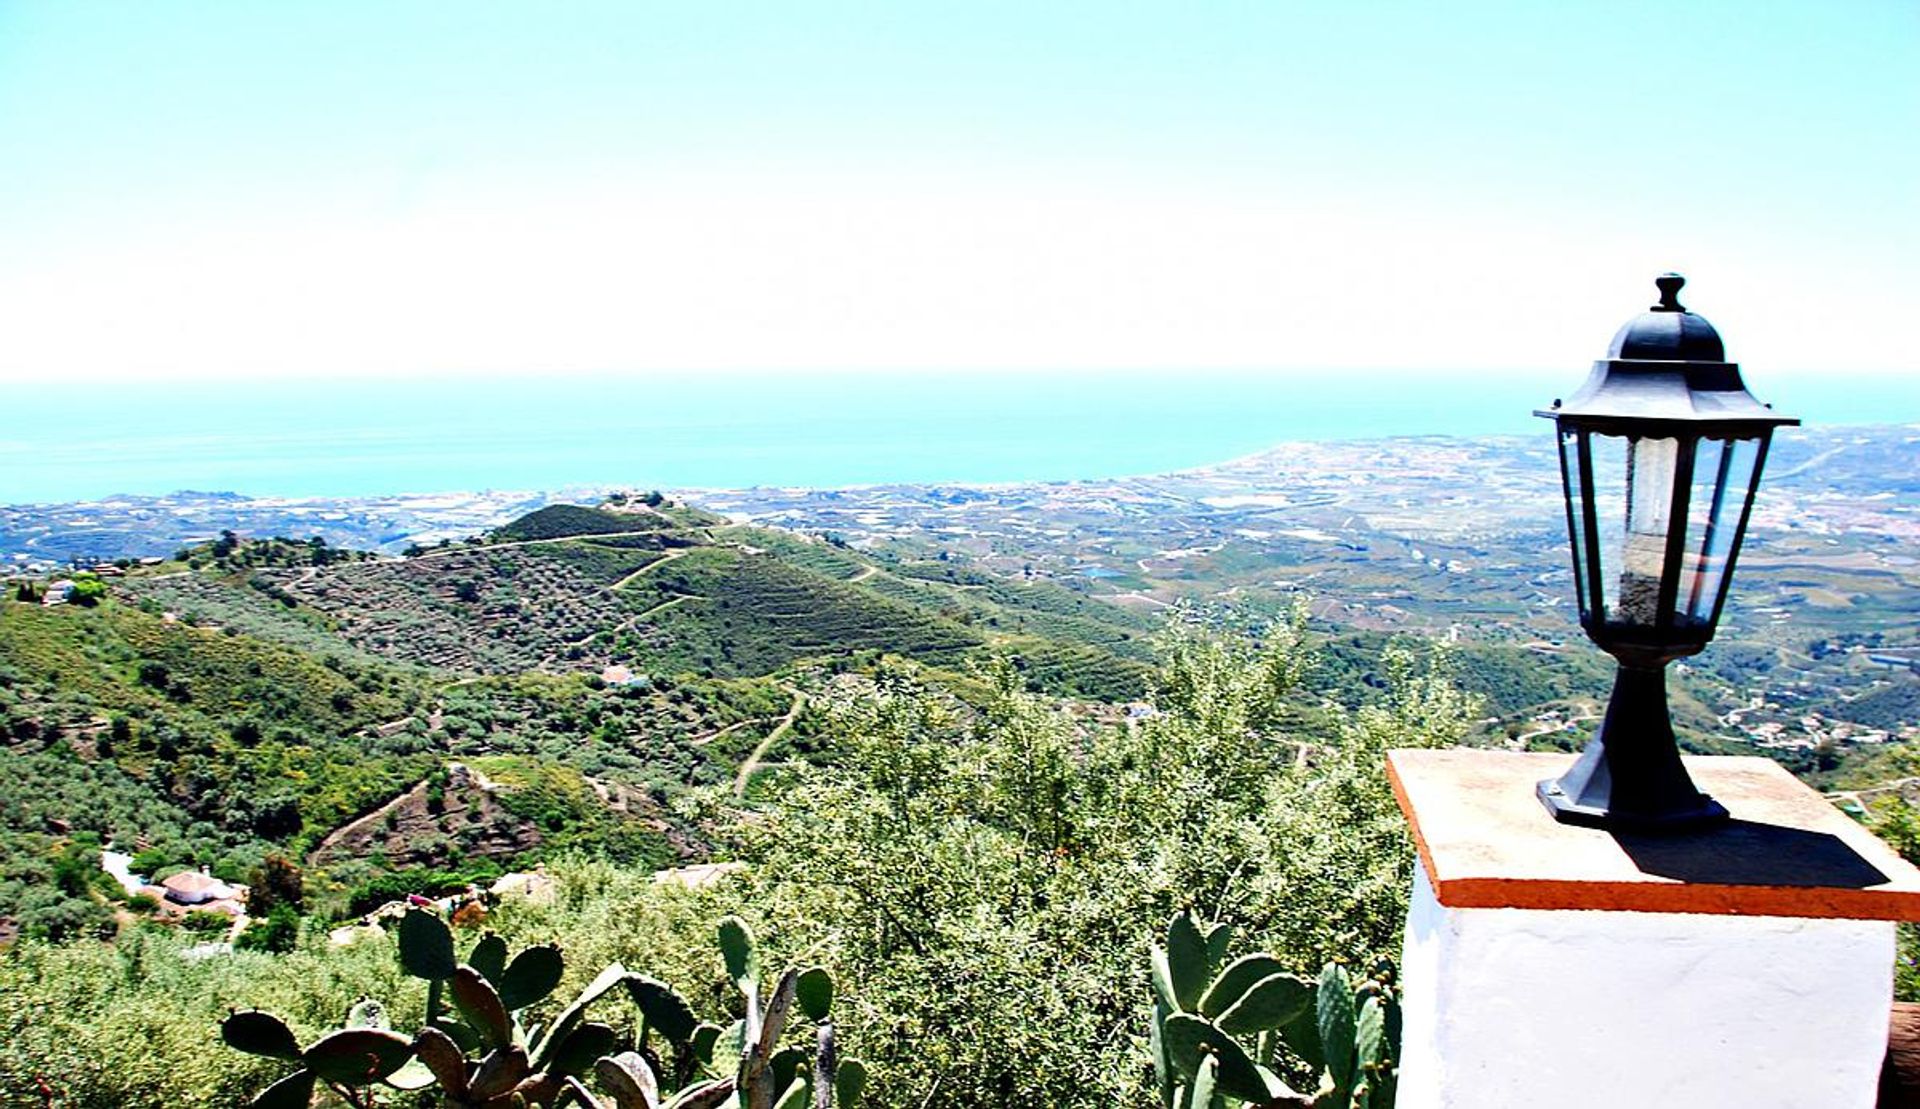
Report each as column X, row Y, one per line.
column 404, row 724
column 563, row 521
column 735, row 612
column 197, row 746
column 563, row 590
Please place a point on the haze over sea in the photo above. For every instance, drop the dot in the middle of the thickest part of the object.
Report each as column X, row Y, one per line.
column 360, row 438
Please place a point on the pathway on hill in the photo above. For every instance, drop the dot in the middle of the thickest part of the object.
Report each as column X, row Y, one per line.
column 863, row 575
column 1859, row 796
column 705, row 738
column 752, row 762
column 669, row 556
column 661, row 607
column 333, row 838
column 628, row 623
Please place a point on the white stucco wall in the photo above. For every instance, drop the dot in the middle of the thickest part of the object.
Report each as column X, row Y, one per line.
column 1569, row 1009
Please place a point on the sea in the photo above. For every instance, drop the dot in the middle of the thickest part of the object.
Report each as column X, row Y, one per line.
column 358, row 437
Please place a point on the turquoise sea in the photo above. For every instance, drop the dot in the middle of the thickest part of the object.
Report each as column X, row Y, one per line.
column 358, row 437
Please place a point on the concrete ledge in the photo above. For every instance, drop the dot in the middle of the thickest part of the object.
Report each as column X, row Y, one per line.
column 1485, row 841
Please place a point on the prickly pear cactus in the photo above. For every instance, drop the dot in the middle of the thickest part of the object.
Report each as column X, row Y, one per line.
column 477, row 1052
column 1218, row 1027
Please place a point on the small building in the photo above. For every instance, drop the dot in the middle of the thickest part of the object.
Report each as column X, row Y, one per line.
column 534, row 886
column 197, row 888
column 57, row 593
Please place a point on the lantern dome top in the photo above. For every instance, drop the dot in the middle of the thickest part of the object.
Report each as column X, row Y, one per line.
column 1667, row 332
column 1666, row 368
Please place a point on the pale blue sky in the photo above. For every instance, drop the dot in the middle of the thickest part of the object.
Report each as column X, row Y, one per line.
column 229, row 190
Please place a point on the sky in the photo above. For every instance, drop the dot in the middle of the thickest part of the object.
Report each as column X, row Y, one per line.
column 241, row 192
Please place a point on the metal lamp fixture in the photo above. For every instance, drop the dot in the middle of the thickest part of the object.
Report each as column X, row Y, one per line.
column 1660, row 454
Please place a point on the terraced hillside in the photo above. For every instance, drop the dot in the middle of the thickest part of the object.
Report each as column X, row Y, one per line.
column 473, row 609
column 665, row 591
column 740, row 611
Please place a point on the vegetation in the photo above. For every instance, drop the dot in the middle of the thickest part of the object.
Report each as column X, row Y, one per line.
column 196, row 747
column 995, row 876
column 1223, row 1033
column 1888, row 706
column 242, row 727
column 562, row 521
column 480, row 1052
column 753, row 614
column 981, row 881
column 232, row 552
column 477, row 609
column 921, row 768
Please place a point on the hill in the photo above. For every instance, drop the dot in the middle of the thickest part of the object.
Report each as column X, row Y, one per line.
column 670, row 590
column 397, row 723
column 562, row 521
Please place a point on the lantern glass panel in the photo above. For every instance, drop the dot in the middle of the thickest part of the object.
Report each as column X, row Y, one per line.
column 1632, row 486
column 1570, row 472
column 1723, row 479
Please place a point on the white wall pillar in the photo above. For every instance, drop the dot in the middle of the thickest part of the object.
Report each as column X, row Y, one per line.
column 1543, row 968
column 1565, row 1009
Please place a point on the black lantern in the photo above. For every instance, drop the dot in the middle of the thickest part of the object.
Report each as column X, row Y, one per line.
column 1660, row 454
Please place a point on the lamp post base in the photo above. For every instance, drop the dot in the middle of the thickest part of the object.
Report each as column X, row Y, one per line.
column 1630, row 777
column 1566, row 810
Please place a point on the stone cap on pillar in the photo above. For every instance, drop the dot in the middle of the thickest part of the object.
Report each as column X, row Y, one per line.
column 1487, row 842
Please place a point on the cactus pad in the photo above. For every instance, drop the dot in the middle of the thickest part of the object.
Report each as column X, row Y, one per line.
column 489, row 957
column 481, row 1006
column 1234, row 982
column 814, row 990
column 666, row 1011
column 295, row 1091
column 258, row 1033
column 583, row 1045
column 1191, row 1040
column 357, row 1056
column 1272, row 1003
column 849, row 1083
column 426, row 945
column 531, row 976
column 1187, row 961
column 736, row 947
column 630, row 1080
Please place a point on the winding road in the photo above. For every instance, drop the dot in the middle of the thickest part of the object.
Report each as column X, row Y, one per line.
column 752, row 761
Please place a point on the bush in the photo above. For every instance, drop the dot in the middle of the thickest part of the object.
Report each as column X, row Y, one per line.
column 985, row 886
column 206, row 923
column 87, row 591
column 278, row 931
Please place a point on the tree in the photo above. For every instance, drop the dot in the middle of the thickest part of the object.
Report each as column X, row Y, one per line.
column 277, row 931
column 87, row 591
column 277, row 817
column 275, row 882
column 986, row 880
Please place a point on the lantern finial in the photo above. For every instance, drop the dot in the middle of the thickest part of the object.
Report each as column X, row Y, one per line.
column 1669, row 285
